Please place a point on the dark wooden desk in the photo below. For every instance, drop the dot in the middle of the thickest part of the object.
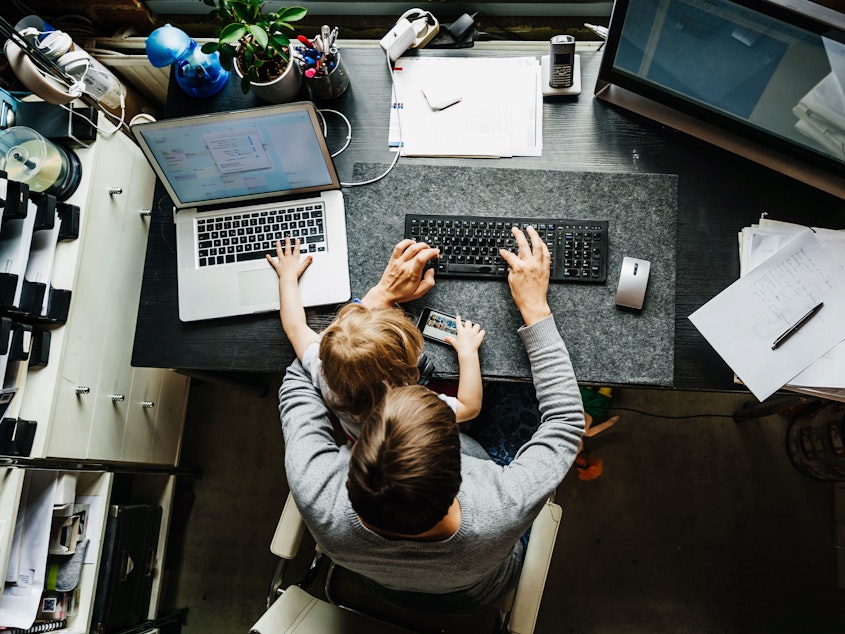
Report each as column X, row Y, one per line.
column 718, row 194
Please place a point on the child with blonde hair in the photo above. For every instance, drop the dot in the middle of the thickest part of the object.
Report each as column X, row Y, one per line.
column 366, row 351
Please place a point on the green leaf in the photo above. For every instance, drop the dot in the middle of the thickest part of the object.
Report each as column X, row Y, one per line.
column 209, row 3
column 292, row 14
column 241, row 11
column 232, row 33
column 245, row 84
column 209, row 47
column 279, row 43
column 279, row 25
column 259, row 34
column 279, row 39
column 227, row 56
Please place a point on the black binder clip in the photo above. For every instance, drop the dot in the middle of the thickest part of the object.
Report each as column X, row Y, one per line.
column 16, row 202
column 16, row 436
column 69, row 221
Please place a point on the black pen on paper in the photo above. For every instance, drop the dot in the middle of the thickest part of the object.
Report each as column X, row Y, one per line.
column 797, row 326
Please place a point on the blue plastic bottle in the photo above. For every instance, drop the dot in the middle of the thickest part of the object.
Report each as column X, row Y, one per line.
column 198, row 74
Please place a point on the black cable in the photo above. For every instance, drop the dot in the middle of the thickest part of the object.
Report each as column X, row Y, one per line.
column 484, row 36
column 639, row 411
column 515, row 36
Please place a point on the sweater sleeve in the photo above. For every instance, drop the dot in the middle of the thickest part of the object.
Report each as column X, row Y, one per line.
column 314, row 463
column 541, row 464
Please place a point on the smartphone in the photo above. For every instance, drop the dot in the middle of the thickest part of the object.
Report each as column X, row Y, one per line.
column 561, row 58
column 436, row 325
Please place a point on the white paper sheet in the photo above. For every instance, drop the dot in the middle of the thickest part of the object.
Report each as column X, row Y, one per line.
column 93, row 530
column 32, row 536
column 758, row 243
column 15, row 241
column 499, row 113
column 39, row 267
column 743, row 321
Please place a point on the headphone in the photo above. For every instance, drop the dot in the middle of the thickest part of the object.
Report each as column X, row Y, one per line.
column 426, row 368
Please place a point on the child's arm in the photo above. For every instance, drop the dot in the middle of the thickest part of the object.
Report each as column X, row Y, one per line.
column 289, row 269
column 470, row 389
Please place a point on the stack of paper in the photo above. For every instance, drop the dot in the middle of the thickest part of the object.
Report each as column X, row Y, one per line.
column 469, row 106
column 821, row 116
column 785, row 271
column 821, row 112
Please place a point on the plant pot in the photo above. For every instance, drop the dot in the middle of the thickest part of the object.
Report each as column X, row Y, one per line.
column 282, row 89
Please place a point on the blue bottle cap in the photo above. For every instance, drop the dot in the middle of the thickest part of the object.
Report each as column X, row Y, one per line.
column 167, row 44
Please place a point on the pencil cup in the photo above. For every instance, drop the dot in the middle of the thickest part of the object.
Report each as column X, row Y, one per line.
column 332, row 85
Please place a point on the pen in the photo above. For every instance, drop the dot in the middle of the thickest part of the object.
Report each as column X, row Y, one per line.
column 797, row 326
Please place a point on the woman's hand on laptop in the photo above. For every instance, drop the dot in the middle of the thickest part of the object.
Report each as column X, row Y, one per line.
column 403, row 279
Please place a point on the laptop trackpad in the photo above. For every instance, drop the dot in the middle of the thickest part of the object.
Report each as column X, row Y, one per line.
column 258, row 287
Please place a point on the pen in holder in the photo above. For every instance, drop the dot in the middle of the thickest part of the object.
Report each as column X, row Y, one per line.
column 322, row 65
column 332, row 84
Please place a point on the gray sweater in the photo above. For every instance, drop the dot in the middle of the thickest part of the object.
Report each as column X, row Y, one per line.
column 483, row 559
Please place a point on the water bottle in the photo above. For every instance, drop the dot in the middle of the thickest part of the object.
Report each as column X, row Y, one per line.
column 197, row 73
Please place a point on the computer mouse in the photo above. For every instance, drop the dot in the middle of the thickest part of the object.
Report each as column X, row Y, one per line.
column 633, row 280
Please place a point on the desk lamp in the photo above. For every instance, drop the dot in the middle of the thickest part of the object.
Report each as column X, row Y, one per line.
column 197, row 73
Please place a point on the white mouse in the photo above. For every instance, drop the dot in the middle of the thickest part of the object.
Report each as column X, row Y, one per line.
column 633, row 279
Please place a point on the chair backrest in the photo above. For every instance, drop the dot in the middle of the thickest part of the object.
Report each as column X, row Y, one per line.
column 296, row 611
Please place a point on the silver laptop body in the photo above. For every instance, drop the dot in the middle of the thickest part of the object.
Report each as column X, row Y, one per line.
column 240, row 180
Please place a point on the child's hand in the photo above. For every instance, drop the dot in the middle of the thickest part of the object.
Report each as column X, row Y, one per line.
column 287, row 266
column 468, row 339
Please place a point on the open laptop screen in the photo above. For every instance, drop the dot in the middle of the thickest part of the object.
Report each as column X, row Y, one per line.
column 244, row 155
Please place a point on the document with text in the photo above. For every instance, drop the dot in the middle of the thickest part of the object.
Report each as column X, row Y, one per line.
column 743, row 321
column 494, row 107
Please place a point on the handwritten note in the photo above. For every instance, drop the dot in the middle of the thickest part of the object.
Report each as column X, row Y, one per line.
column 743, row 320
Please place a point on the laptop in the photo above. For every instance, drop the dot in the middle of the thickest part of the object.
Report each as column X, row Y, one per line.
column 239, row 181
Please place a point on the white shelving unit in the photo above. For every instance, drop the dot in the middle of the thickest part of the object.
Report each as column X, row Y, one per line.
column 90, row 405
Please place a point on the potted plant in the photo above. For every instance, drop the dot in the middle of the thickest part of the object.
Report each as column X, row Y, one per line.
column 253, row 42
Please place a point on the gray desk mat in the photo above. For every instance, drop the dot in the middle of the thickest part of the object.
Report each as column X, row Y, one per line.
column 608, row 345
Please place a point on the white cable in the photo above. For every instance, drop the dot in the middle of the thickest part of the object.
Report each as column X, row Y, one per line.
column 120, row 121
column 325, row 127
column 348, row 128
column 399, row 124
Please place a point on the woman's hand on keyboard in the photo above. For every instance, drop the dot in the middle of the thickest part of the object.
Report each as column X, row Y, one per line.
column 528, row 277
column 403, row 279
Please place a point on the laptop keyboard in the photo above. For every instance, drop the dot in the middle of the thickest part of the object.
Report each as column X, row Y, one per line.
column 249, row 235
column 469, row 245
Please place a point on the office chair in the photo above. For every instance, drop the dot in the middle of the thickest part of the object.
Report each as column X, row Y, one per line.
column 294, row 611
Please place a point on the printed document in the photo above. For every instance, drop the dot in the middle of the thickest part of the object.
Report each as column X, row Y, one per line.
column 743, row 321
column 495, row 107
column 758, row 243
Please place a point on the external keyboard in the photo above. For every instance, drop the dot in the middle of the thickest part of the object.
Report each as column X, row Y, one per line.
column 469, row 245
column 249, row 235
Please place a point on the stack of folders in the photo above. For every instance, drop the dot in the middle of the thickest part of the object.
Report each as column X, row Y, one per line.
column 780, row 324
